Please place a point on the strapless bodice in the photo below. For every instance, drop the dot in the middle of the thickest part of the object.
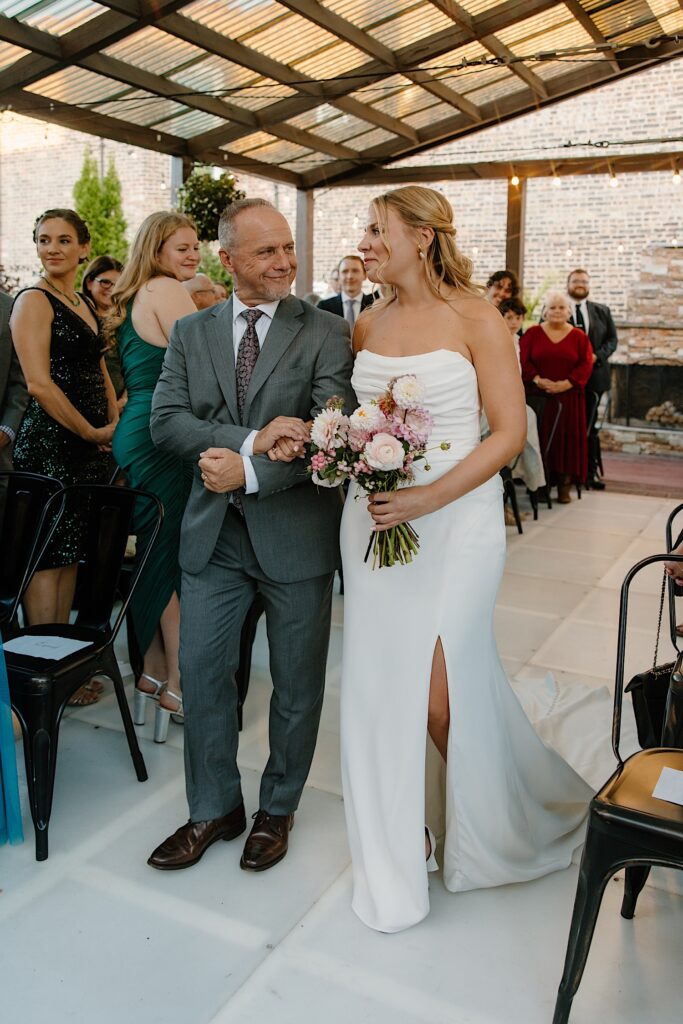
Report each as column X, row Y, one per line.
column 451, row 396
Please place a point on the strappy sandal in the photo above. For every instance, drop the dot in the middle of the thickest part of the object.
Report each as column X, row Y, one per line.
column 142, row 697
column 164, row 716
column 431, row 856
column 83, row 697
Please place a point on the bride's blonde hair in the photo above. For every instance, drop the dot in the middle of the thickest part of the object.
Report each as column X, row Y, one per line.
column 143, row 263
column 445, row 265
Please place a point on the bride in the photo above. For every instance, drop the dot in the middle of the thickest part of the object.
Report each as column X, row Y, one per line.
column 419, row 650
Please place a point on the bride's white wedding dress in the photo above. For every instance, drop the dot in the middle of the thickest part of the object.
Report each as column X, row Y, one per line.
column 514, row 808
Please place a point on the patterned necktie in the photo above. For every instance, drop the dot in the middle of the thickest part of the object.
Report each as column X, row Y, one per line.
column 578, row 318
column 350, row 314
column 247, row 354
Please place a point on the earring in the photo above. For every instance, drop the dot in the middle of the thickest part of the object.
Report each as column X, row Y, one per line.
column 420, row 253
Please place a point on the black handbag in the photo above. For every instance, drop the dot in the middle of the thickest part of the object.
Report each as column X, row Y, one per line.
column 657, row 697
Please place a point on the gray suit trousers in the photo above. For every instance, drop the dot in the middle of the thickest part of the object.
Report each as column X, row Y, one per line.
column 214, row 605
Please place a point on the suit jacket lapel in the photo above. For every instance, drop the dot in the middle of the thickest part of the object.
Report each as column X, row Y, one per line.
column 284, row 328
column 223, row 355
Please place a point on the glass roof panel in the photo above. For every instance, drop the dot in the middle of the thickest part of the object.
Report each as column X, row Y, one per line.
column 431, row 115
column 195, row 122
column 342, row 128
column 278, row 151
column 249, row 142
column 367, row 12
column 155, row 51
column 332, row 61
column 58, row 17
column 506, row 85
column 9, row 54
column 77, row 86
column 422, row 21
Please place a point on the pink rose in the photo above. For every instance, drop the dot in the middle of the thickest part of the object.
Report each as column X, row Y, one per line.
column 384, row 452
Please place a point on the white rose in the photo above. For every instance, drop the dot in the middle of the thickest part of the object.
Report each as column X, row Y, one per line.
column 367, row 417
column 384, row 452
column 407, row 391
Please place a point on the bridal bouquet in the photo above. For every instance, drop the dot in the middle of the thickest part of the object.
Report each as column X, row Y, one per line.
column 377, row 446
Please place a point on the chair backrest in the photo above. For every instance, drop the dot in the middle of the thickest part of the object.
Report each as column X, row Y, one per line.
column 32, row 506
column 670, row 545
column 109, row 514
column 621, row 642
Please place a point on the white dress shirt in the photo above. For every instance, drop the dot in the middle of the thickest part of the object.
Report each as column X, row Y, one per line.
column 356, row 304
column 583, row 306
column 239, row 326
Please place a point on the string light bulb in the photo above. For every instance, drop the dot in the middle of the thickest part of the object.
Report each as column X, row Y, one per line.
column 620, row 248
column 514, row 180
column 676, row 177
column 613, row 178
column 557, row 182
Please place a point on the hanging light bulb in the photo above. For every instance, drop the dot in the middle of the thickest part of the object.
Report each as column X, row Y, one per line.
column 674, row 241
column 676, row 177
column 620, row 248
column 613, row 179
column 557, row 182
column 570, row 253
column 514, row 180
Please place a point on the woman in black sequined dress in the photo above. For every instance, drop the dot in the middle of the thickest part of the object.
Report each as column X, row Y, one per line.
column 69, row 422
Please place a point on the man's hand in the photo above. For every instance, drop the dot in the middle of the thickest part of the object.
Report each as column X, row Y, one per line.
column 281, row 426
column 4, row 440
column 222, row 470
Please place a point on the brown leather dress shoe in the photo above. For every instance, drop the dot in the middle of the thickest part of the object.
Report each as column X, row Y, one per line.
column 267, row 841
column 188, row 844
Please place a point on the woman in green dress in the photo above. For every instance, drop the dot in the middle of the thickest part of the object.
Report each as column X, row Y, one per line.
column 147, row 300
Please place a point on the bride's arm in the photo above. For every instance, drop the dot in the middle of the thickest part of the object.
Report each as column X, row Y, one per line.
column 502, row 394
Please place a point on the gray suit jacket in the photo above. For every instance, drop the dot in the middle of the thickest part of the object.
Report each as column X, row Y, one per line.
column 305, row 359
column 13, row 393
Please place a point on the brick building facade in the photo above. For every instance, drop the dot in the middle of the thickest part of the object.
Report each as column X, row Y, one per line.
column 584, row 222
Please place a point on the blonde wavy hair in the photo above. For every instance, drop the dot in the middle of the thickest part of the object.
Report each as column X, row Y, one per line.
column 143, row 264
column 445, row 265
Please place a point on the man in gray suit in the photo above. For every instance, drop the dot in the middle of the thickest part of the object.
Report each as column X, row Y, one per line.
column 13, row 393
column 236, row 378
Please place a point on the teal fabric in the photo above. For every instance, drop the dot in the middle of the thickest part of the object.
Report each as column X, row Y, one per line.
column 10, row 809
column 151, row 470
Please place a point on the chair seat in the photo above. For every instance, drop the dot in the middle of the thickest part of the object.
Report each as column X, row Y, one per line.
column 628, row 794
column 27, row 668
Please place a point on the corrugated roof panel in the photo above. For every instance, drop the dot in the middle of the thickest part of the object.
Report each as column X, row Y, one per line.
column 506, row 85
column 279, row 151
column 155, row 51
column 307, row 163
column 343, row 127
column 332, row 62
column 424, row 20
column 195, row 122
column 289, row 39
column 59, row 17
column 639, row 34
column 260, row 93
column 215, row 75
column 431, row 115
column 369, row 139
column 448, row 68
column 367, row 12
column 541, row 34
column 476, row 7
column 249, row 142
column 407, row 101
column 384, row 87
column 234, row 18
column 77, row 86
column 9, row 54
column 311, row 118
column 672, row 22
column 616, row 18
column 141, row 108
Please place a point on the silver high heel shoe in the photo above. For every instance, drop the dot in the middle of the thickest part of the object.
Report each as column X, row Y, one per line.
column 163, row 717
column 142, row 697
column 431, row 859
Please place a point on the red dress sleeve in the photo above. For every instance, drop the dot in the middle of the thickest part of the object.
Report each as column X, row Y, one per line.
column 529, row 369
column 580, row 375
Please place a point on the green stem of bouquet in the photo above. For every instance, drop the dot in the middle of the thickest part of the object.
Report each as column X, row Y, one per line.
column 398, row 544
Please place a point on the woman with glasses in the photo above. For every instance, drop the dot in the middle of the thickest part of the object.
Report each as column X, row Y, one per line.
column 99, row 279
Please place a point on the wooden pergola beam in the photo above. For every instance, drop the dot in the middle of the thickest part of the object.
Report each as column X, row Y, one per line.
column 584, row 19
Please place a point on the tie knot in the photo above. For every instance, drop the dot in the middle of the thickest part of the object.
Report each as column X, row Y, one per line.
column 251, row 315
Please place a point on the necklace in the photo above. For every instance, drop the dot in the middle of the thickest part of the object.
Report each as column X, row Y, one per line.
column 74, row 302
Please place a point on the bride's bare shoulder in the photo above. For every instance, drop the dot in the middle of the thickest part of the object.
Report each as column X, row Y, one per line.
column 476, row 308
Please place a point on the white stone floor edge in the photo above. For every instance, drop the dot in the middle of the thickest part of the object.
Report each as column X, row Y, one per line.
column 93, row 934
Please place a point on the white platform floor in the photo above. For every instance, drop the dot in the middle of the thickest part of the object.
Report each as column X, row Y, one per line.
column 95, row 935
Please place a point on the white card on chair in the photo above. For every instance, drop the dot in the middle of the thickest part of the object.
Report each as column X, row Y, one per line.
column 52, row 647
column 669, row 786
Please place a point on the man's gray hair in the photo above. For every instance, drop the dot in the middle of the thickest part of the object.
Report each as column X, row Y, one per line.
column 226, row 225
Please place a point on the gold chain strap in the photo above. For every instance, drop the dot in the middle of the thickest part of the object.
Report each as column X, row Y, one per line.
column 655, row 671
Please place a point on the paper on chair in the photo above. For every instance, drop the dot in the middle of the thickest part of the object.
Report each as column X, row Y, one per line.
column 670, row 786
column 52, row 647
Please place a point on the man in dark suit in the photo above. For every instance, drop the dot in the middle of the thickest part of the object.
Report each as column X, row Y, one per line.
column 237, row 377
column 13, row 393
column 596, row 320
column 351, row 301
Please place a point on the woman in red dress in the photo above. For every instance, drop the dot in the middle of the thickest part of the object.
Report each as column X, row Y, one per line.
column 557, row 360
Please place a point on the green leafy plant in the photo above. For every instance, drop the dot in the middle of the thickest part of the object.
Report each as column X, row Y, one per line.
column 533, row 300
column 211, row 265
column 98, row 201
column 204, row 198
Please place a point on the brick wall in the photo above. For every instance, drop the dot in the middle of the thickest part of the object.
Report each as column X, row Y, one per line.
column 605, row 229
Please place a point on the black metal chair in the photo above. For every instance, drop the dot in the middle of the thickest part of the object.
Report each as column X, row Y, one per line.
column 627, row 827
column 538, row 403
column 39, row 687
column 28, row 521
column 510, row 494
